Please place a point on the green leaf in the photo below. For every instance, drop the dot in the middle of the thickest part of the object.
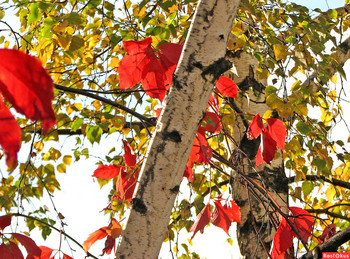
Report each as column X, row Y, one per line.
column 76, row 43
column 93, row 133
column 35, row 14
column 307, row 188
column 74, row 19
column 77, row 123
column 303, row 128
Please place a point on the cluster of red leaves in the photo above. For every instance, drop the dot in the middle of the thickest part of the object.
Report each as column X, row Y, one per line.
column 303, row 223
column 222, row 216
column 126, row 175
column 201, row 152
column 11, row 251
column 112, row 231
column 29, row 89
column 154, row 68
column 271, row 138
column 46, row 253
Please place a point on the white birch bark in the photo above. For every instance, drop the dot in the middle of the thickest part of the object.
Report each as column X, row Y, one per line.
column 200, row 65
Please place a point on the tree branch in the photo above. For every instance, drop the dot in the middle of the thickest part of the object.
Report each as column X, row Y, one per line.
column 150, row 120
column 54, row 228
column 334, row 181
column 331, row 245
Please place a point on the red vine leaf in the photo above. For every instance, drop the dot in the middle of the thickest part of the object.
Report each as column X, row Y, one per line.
column 125, row 185
column 277, row 131
column 223, row 216
column 45, row 253
column 327, row 233
column 210, row 123
column 5, row 251
column 129, row 156
column 28, row 243
column 203, row 219
column 302, row 221
column 255, row 127
column 27, row 86
column 152, row 68
column 10, row 135
column 17, row 254
column 268, row 147
column 226, row 87
column 93, row 237
column 5, row 221
column 107, row 171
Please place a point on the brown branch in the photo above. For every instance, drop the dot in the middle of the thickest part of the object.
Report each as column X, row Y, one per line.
column 334, row 181
column 69, row 132
column 331, row 245
column 327, row 212
column 150, row 120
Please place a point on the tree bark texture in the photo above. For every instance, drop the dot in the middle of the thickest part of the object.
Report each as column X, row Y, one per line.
column 256, row 232
column 200, row 65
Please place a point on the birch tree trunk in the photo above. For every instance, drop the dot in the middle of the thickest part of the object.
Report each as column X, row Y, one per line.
column 200, row 65
column 256, row 232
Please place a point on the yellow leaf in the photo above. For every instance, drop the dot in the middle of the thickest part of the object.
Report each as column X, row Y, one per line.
column 67, row 159
column 267, row 114
column 334, row 79
column 281, row 51
column 326, row 117
column 97, row 105
column 330, row 193
column 332, row 95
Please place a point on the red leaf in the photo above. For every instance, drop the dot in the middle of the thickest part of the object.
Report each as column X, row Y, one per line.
column 45, row 253
column 226, row 87
column 268, row 146
column 328, row 232
column 133, row 47
column 130, row 69
column 28, row 87
column 223, row 216
column 255, row 127
column 169, row 57
column 109, row 245
column 93, row 237
column 114, row 229
column 258, row 158
column 67, row 256
column 107, row 171
column 10, row 134
column 277, row 131
column 129, row 156
column 5, row 252
column 201, row 151
column 189, row 171
column 210, row 123
column 158, row 112
column 16, row 251
column 205, row 149
column 125, row 185
column 28, row 243
column 302, row 221
column 214, row 103
column 5, row 221
column 203, row 219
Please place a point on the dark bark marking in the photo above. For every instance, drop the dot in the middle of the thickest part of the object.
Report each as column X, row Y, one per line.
column 172, row 136
column 160, row 147
column 138, row 205
column 216, row 68
column 175, row 189
column 344, row 46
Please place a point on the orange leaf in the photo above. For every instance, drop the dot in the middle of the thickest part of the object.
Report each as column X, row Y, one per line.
column 93, row 237
column 114, row 229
